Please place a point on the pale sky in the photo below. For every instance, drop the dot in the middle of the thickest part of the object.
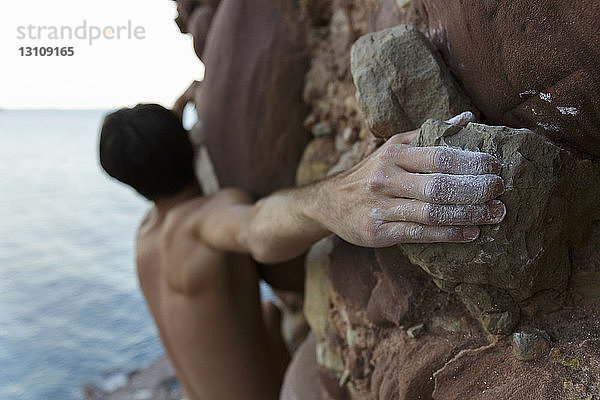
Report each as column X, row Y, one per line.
column 105, row 75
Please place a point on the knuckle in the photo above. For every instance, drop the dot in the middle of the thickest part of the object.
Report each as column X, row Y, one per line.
column 396, row 139
column 431, row 214
column 390, row 151
column 374, row 232
column 416, row 233
column 377, row 180
column 441, row 159
column 435, row 188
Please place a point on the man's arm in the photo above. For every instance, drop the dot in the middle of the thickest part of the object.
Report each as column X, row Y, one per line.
column 399, row 194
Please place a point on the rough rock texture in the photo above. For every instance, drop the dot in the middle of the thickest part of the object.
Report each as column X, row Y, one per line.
column 527, row 65
column 375, row 296
column 401, row 81
column 530, row 344
column 155, row 382
column 252, row 109
column 522, row 64
column 367, row 352
column 551, row 198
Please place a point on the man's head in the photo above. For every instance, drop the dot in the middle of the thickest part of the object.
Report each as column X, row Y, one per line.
column 147, row 148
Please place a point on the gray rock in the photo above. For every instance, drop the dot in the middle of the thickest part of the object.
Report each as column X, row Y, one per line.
column 551, row 201
column 492, row 307
column 401, row 81
column 156, row 382
column 530, row 344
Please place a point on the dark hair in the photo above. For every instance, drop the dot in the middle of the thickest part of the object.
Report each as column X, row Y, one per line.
column 147, row 148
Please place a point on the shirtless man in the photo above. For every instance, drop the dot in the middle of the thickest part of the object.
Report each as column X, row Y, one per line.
column 196, row 254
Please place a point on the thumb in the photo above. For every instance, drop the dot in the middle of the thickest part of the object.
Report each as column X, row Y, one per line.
column 405, row 138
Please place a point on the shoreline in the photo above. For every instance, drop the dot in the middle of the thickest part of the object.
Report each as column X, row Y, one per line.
column 156, row 381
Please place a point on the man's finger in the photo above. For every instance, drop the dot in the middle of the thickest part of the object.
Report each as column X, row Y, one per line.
column 408, row 210
column 408, row 232
column 461, row 119
column 443, row 160
column 438, row 188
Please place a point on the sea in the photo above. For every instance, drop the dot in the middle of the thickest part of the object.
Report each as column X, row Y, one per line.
column 70, row 307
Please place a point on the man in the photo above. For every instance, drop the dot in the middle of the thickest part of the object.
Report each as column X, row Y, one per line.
column 192, row 250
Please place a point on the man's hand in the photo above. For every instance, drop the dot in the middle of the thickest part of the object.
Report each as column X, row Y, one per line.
column 404, row 194
column 398, row 194
column 185, row 98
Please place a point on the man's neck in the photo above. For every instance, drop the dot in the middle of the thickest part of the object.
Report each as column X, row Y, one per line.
column 187, row 193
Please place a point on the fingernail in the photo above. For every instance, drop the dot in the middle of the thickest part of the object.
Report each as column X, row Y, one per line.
column 470, row 233
column 498, row 211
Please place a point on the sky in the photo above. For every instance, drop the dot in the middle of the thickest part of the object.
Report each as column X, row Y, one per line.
column 151, row 61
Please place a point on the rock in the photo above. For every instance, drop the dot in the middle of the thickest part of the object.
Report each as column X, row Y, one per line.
column 319, row 156
column 321, row 129
column 415, row 331
column 492, row 307
column 252, row 108
column 550, row 199
column 532, row 64
column 530, row 344
column 328, row 359
column 586, row 284
column 157, row 381
column 347, row 160
column 350, row 135
column 401, row 81
column 199, row 25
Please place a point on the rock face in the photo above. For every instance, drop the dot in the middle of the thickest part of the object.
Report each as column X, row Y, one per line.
column 363, row 302
column 550, row 197
column 533, row 66
column 401, row 81
column 155, row 382
column 383, row 329
column 252, row 109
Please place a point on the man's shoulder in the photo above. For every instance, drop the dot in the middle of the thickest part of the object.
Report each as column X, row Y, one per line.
column 198, row 209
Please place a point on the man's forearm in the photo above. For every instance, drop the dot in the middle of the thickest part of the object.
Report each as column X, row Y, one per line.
column 399, row 194
column 285, row 224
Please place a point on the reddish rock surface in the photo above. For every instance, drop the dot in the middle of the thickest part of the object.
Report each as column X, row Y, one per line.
column 497, row 51
column 252, row 109
column 532, row 64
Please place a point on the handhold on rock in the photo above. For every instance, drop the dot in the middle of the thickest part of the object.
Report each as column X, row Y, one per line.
column 401, row 81
column 530, row 344
column 551, row 200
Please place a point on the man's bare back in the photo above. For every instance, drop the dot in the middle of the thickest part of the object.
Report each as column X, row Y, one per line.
column 206, row 305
